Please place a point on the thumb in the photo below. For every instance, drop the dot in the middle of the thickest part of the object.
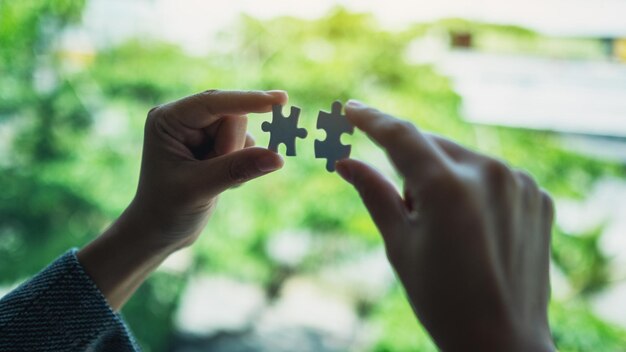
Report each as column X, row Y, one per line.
column 232, row 169
column 379, row 196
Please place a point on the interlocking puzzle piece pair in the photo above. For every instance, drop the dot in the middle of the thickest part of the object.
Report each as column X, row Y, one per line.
column 285, row 130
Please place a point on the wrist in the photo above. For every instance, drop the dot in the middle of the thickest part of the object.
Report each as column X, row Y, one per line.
column 499, row 339
column 165, row 226
column 122, row 257
column 148, row 230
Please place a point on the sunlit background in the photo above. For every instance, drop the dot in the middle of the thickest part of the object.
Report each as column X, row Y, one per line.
column 293, row 262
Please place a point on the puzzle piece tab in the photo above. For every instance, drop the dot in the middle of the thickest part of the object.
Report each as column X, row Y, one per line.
column 284, row 129
column 335, row 124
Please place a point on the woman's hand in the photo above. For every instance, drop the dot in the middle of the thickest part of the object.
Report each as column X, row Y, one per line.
column 470, row 239
column 194, row 149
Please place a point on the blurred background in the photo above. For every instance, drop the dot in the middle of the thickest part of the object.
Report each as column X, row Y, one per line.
column 293, row 262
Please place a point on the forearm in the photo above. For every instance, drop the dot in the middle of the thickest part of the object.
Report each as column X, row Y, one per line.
column 121, row 259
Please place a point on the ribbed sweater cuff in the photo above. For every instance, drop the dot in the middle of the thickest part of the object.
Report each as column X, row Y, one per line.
column 61, row 309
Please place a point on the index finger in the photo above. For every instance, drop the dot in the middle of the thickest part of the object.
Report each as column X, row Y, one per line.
column 410, row 151
column 202, row 109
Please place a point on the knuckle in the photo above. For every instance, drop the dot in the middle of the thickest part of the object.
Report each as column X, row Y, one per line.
column 206, row 98
column 154, row 112
column 407, row 127
column 152, row 120
column 498, row 174
column 211, row 92
column 207, row 94
column 526, row 179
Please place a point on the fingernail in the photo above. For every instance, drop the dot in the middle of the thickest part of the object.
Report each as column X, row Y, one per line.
column 268, row 163
column 277, row 93
column 343, row 171
column 355, row 104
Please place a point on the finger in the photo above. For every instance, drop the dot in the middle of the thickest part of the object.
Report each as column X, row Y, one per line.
column 548, row 211
column 231, row 134
column 250, row 142
column 379, row 196
column 226, row 171
column 203, row 109
column 410, row 151
column 530, row 193
column 454, row 150
column 526, row 180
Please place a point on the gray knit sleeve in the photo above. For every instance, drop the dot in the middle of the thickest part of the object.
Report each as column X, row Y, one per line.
column 61, row 309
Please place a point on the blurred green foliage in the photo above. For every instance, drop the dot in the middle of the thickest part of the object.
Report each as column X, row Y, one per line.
column 65, row 172
column 43, row 122
column 575, row 328
column 581, row 260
